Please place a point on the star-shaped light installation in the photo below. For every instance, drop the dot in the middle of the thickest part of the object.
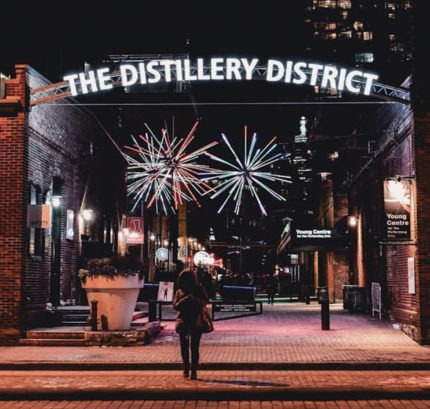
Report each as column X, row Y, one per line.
column 163, row 173
column 247, row 174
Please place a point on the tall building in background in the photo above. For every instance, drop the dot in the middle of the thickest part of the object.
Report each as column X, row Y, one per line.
column 300, row 192
column 373, row 34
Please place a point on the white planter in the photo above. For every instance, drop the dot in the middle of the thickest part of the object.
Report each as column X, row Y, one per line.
column 116, row 300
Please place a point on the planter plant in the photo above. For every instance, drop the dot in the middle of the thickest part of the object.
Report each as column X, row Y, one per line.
column 112, row 286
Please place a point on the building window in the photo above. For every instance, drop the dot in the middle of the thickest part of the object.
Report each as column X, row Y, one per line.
column 364, row 58
column 325, row 4
column 36, row 237
column 332, row 4
column 344, row 4
column 330, row 27
column 345, row 34
column 367, row 36
column 358, row 25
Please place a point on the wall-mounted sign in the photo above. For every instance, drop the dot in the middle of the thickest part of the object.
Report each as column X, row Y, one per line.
column 411, row 275
column 70, row 228
column 313, row 233
column 39, row 216
column 152, row 71
column 397, row 206
column 135, row 230
column 165, row 291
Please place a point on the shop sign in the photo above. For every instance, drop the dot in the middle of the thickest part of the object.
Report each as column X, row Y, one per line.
column 39, row 216
column 234, row 307
column 153, row 71
column 313, row 233
column 135, row 230
column 397, row 207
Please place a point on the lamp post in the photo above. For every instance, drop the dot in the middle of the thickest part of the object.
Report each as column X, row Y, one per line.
column 151, row 258
column 55, row 250
column 352, row 222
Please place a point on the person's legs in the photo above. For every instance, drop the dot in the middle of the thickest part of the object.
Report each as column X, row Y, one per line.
column 185, row 353
column 195, row 354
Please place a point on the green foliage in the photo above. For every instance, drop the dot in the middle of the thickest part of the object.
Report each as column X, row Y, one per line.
column 118, row 265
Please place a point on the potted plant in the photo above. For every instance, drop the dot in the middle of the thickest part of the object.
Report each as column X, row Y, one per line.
column 112, row 286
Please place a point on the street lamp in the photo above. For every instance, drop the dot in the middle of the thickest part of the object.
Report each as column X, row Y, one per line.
column 352, row 221
column 87, row 217
column 55, row 250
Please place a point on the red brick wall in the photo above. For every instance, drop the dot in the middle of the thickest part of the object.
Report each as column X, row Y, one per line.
column 400, row 160
column 384, row 261
column 38, row 144
column 13, row 170
column 422, row 143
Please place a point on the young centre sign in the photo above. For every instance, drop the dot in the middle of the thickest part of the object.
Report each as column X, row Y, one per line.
column 153, row 71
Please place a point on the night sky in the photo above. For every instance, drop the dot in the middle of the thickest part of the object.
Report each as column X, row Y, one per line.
column 57, row 38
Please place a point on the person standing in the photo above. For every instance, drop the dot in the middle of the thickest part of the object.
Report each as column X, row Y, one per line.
column 271, row 286
column 189, row 300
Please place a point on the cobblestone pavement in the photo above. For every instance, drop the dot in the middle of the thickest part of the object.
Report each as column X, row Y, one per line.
column 179, row 404
column 216, row 385
column 280, row 355
column 285, row 336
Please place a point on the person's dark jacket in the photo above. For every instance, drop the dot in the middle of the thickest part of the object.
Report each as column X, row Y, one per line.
column 188, row 306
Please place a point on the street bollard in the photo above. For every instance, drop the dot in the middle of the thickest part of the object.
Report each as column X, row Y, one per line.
column 93, row 318
column 325, row 308
column 152, row 310
column 325, row 315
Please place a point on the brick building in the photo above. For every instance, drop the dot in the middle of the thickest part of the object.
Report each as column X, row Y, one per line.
column 48, row 153
column 48, row 167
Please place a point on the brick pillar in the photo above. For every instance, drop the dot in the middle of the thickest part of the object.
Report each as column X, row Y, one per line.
column 421, row 106
column 13, row 200
column 422, row 169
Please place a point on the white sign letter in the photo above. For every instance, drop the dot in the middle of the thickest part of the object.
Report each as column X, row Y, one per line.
column 274, row 67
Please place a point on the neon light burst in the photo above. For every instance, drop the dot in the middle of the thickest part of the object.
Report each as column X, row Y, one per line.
column 164, row 174
column 247, row 174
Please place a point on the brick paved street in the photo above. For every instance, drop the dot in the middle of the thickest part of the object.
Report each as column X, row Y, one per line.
column 285, row 336
column 178, row 404
column 280, row 355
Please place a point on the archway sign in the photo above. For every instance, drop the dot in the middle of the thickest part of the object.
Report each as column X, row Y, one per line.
column 154, row 70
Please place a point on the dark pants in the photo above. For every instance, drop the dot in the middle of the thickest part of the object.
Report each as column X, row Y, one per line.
column 190, row 343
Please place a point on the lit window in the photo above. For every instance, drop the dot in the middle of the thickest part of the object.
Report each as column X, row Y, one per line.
column 346, row 34
column 344, row 4
column 358, row 25
column 326, row 4
column 367, row 36
column 364, row 57
column 330, row 26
